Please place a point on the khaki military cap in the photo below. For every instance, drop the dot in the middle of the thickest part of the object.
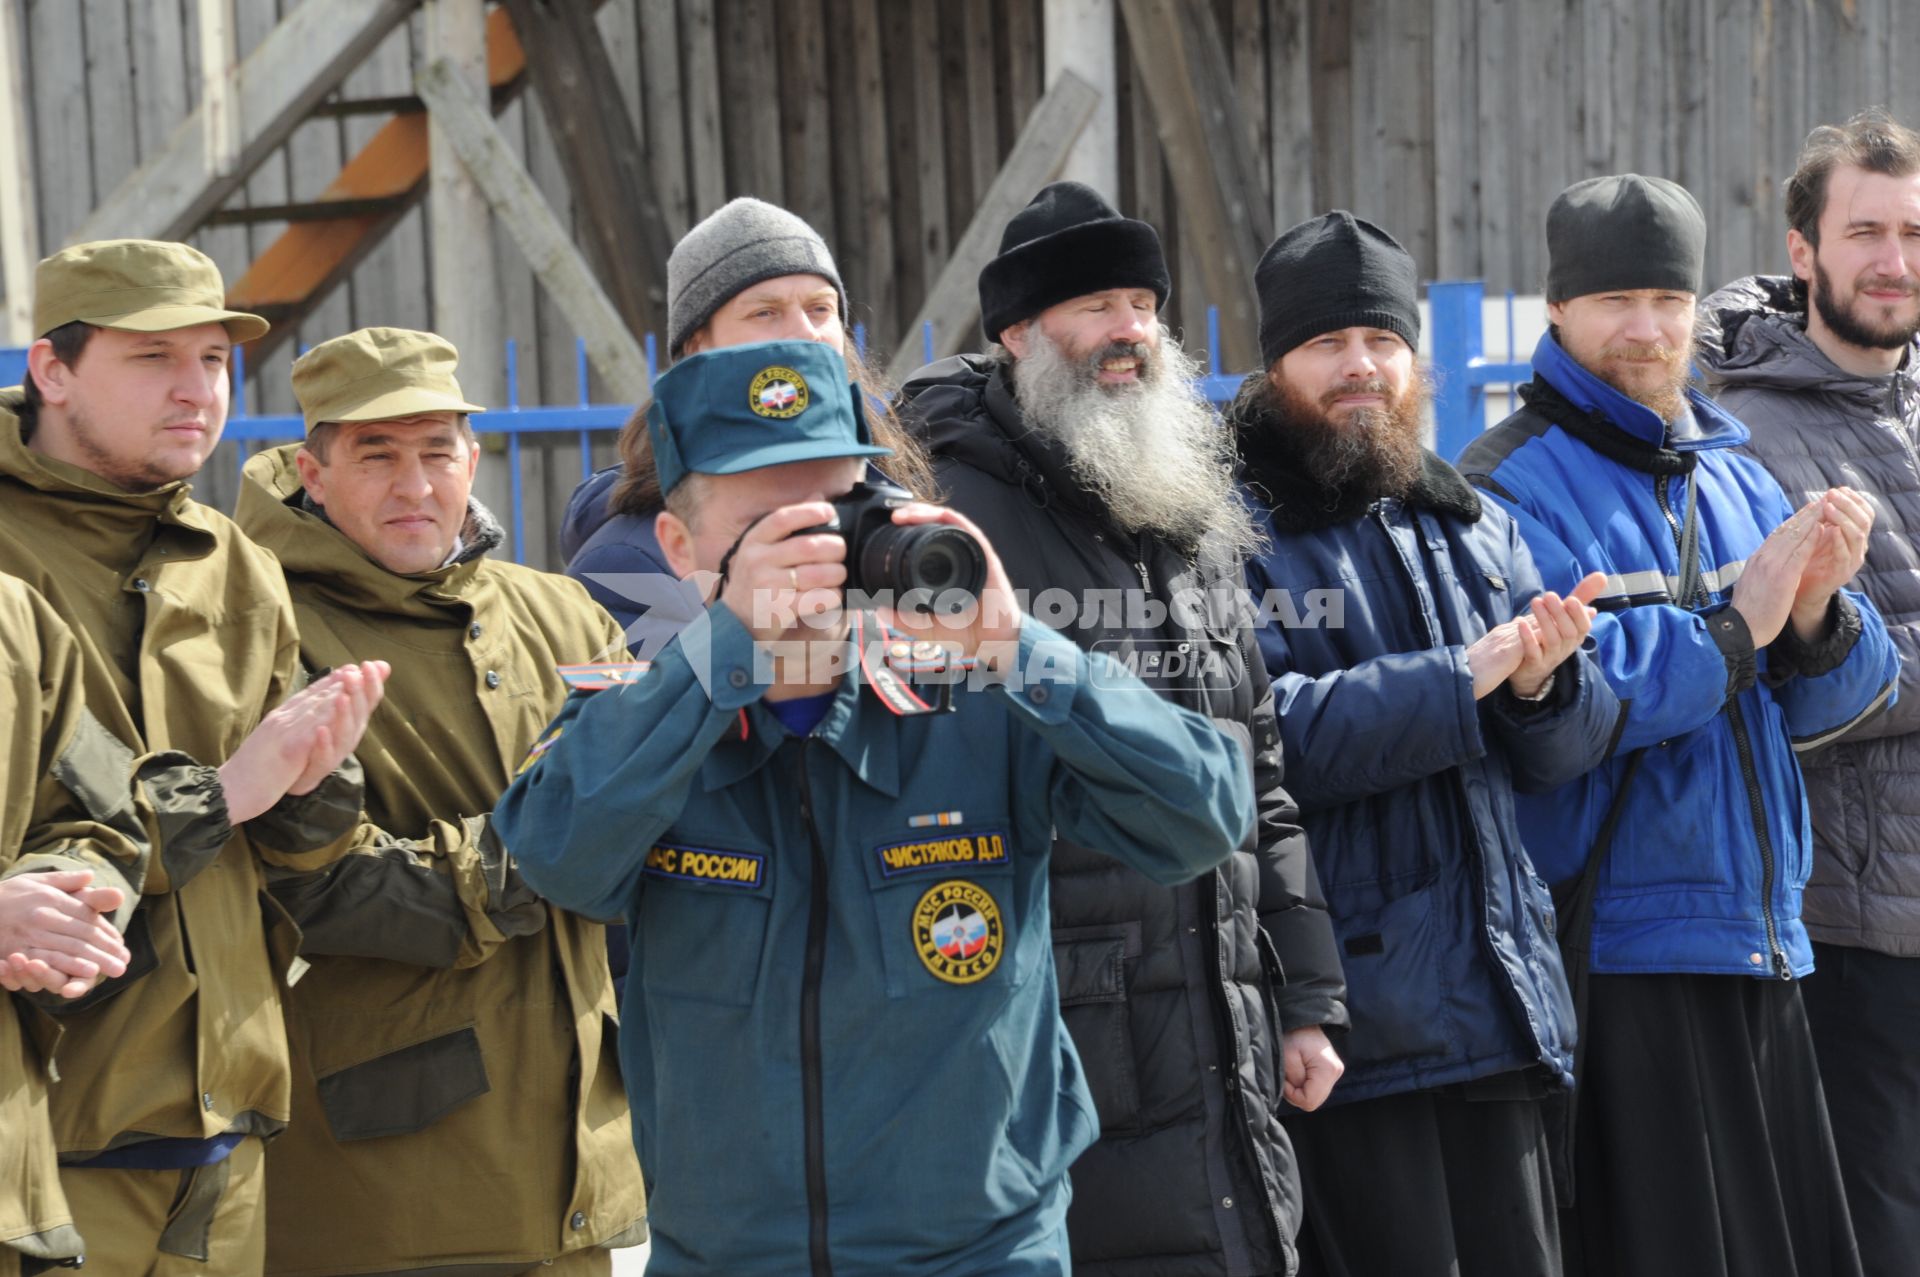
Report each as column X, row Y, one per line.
column 377, row 374
column 137, row 285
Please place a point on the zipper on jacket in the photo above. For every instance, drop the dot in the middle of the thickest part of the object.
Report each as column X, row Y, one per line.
column 810, row 1066
column 1757, row 809
column 1743, row 745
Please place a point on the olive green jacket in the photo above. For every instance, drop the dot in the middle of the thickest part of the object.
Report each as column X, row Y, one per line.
column 185, row 640
column 456, row 1033
column 44, row 732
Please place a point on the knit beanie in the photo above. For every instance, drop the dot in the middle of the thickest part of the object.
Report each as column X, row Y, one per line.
column 1067, row 243
column 744, row 242
column 1612, row 233
column 1334, row 271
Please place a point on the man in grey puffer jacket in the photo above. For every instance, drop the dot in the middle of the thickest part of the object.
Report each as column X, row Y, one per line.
column 1822, row 368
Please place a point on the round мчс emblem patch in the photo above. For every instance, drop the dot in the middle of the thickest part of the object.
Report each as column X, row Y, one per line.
column 958, row 933
column 777, row 392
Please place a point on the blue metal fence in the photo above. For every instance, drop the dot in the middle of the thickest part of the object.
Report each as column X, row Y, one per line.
column 1461, row 372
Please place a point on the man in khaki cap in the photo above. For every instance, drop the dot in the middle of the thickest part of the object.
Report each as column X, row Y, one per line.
column 172, row 1074
column 455, row 1034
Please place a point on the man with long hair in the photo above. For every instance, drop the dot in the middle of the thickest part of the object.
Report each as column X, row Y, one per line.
column 750, row 272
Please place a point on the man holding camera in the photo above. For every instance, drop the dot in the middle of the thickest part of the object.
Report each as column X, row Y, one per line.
column 1079, row 443
column 841, row 1039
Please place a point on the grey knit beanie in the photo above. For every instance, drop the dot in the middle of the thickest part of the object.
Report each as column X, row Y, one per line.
column 742, row 243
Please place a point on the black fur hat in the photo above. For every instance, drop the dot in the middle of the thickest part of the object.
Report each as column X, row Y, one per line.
column 1068, row 242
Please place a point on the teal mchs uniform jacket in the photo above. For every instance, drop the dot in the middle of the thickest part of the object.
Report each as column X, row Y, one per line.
column 841, row 1036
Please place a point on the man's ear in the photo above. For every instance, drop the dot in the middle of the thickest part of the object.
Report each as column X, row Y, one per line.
column 1556, row 313
column 1016, row 338
column 48, row 373
column 1800, row 252
column 676, row 542
column 313, row 475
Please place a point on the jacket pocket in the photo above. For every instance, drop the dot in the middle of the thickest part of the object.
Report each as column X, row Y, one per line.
column 1869, row 850
column 700, row 940
column 405, row 1090
column 1395, row 989
column 1091, row 965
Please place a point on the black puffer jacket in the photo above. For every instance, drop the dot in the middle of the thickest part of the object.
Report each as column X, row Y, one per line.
column 1171, row 994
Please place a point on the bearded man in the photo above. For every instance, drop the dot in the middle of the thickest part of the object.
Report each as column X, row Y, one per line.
column 1701, row 1141
column 1449, row 679
column 1080, row 446
column 1821, row 366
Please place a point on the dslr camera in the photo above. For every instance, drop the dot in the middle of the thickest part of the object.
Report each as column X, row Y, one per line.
column 913, row 565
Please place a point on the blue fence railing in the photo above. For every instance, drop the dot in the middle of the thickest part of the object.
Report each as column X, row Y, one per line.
column 1462, row 377
column 1462, row 373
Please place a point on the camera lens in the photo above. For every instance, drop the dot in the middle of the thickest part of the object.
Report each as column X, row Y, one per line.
column 926, row 557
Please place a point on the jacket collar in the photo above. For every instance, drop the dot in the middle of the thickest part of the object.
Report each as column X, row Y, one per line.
column 1296, row 503
column 1706, row 425
column 857, row 727
column 275, row 510
column 1753, row 334
column 99, row 505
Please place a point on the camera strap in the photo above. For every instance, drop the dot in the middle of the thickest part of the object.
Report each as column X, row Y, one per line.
column 903, row 663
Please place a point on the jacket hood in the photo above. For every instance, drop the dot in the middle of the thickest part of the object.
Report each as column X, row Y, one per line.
column 274, row 511
column 98, row 506
column 1272, row 470
column 1753, row 334
column 953, row 406
column 587, row 509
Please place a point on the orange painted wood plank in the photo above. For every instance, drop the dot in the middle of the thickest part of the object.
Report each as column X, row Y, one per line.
column 310, row 256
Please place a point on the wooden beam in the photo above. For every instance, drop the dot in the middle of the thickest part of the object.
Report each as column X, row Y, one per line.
column 469, row 127
column 310, row 211
column 464, row 284
column 599, row 149
column 1078, row 37
column 295, row 273
column 1225, row 211
column 19, row 236
column 1039, row 153
column 297, row 65
column 217, row 84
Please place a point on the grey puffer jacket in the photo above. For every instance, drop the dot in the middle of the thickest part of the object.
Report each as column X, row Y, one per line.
column 1816, row 426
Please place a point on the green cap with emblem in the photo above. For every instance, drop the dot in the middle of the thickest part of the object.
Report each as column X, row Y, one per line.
column 377, row 374
column 138, row 286
column 746, row 407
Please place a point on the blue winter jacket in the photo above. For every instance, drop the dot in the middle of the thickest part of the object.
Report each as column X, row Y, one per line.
column 1405, row 782
column 618, row 558
column 841, row 1033
column 1714, row 845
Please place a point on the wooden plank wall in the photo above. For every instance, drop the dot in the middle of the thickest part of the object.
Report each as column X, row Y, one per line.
column 1452, row 122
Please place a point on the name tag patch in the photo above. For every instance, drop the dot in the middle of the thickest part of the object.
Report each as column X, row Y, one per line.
column 697, row 864
column 923, row 854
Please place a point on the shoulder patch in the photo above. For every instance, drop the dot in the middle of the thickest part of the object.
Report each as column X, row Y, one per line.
column 598, row 678
column 540, row 747
column 745, row 869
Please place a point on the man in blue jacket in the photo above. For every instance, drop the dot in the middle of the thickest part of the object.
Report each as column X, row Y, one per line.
column 842, row 1039
column 1702, row 1142
column 1448, row 680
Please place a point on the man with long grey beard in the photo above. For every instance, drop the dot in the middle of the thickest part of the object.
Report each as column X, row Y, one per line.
column 1079, row 445
column 1450, row 680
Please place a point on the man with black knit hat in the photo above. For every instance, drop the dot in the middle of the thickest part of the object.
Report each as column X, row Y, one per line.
column 1700, row 1134
column 1079, row 444
column 1449, row 679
